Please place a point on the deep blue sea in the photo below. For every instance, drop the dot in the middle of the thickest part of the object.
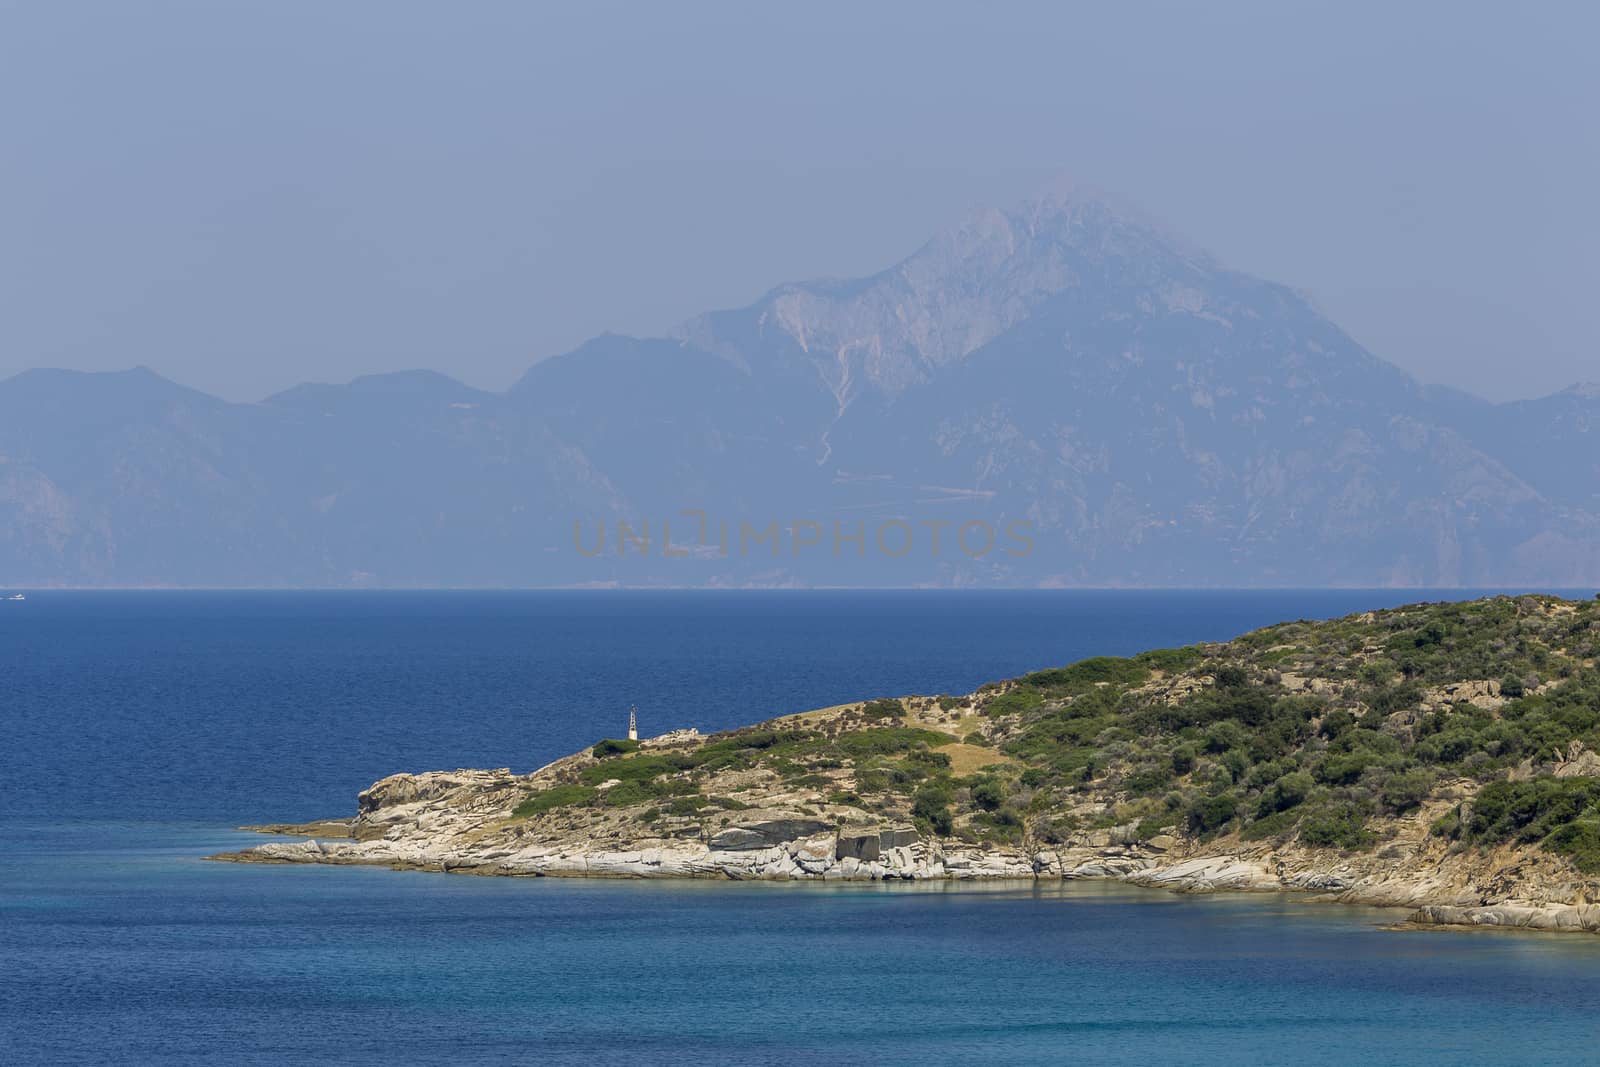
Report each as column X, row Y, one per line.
column 138, row 728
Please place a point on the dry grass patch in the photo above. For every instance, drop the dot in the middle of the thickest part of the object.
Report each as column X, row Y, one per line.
column 965, row 758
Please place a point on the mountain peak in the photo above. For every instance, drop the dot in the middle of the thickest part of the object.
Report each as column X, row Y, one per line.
column 1063, row 211
column 962, row 289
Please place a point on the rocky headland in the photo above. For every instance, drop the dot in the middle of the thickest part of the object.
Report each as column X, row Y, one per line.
column 1440, row 757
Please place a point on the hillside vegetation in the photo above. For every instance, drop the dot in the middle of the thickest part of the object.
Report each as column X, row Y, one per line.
column 1321, row 734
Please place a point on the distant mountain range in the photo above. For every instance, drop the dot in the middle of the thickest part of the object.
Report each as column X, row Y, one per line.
column 1062, row 394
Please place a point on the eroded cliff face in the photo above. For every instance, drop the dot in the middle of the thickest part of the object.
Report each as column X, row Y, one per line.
column 1297, row 758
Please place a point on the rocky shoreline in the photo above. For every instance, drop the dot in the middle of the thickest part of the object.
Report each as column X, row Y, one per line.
column 417, row 822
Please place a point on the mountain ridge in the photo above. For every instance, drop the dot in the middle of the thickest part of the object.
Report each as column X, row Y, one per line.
column 1146, row 415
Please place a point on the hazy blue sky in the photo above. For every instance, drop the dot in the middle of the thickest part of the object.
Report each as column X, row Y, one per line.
column 243, row 196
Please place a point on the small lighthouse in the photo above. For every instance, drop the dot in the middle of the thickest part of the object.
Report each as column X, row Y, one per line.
column 633, row 724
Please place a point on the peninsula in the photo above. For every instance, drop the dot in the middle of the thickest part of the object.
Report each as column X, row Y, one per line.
column 1443, row 757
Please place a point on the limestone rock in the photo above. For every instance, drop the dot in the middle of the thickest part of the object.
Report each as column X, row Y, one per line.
column 897, row 837
column 765, row 834
column 859, row 843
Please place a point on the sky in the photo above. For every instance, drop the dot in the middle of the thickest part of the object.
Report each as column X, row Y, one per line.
column 243, row 196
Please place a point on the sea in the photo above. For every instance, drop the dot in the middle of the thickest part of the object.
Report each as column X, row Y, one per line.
column 139, row 729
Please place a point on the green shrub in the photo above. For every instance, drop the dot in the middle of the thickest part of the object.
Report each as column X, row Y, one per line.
column 1263, row 775
column 1277, row 825
column 1580, row 841
column 923, row 757
column 1016, row 702
column 1355, row 751
column 1287, row 792
column 1210, row 814
column 1406, row 790
column 1170, row 660
column 1226, row 735
column 1389, row 699
column 613, row 746
column 1232, row 677
column 988, row 794
column 1448, row 824
column 875, row 710
column 558, row 796
column 625, row 794
column 1335, row 723
column 1339, row 824
column 873, row 779
column 1148, row 780
column 1149, row 828
column 630, row 769
column 886, row 740
column 1088, row 674
column 1529, row 810
column 931, row 804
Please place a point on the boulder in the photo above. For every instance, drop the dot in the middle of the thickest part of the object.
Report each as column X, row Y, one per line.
column 1579, row 763
column 400, row 789
column 738, row 838
column 765, row 834
column 858, row 843
column 896, row 837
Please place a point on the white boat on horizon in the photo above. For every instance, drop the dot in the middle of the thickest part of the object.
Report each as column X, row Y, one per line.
column 16, row 596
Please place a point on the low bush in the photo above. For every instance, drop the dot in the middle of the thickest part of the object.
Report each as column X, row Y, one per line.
column 1580, row 841
column 631, row 769
column 1529, row 810
column 1406, row 790
column 931, row 805
column 626, row 794
column 559, row 796
column 989, row 794
column 1287, row 792
column 1209, row 814
column 886, row 740
column 1016, row 702
column 876, row 710
column 1339, row 824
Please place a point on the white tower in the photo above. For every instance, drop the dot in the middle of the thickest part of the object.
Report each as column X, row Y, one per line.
column 633, row 724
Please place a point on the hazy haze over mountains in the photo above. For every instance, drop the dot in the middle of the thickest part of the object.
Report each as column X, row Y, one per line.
column 1104, row 404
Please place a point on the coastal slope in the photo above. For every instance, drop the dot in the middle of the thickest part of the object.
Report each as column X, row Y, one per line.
column 1443, row 757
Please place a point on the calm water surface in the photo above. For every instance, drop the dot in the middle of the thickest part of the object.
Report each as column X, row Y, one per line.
column 137, row 728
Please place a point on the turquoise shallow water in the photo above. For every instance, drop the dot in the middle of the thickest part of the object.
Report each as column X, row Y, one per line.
column 138, row 728
column 142, row 950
